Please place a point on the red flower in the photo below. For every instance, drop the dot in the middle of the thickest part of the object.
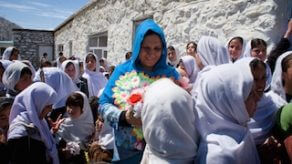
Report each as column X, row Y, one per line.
column 134, row 98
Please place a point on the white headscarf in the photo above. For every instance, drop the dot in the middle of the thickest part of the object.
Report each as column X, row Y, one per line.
column 60, row 82
column 31, row 67
column 242, row 50
column 12, row 74
column 6, row 63
column 223, row 117
column 276, row 84
column 95, row 80
column 168, row 123
column 263, row 120
column 76, row 65
column 7, row 53
column 26, row 109
column 79, row 129
column 247, row 53
column 191, row 67
column 212, row 52
column 174, row 63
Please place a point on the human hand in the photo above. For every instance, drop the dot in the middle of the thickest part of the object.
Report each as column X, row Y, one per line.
column 136, row 122
column 55, row 125
column 289, row 29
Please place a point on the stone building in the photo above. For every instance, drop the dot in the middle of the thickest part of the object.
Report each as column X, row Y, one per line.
column 107, row 27
column 33, row 44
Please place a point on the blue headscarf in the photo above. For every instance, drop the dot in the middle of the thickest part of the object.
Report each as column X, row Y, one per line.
column 160, row 69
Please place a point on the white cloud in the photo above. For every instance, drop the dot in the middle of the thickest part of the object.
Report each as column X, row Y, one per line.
column 17, row 7
column 52, row 15
column 39, row 4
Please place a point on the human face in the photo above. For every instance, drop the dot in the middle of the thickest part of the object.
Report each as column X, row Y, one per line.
column 171, row 55
column 151, row 50
column 235, row 48
column 4, row 117
column 23, row 82
column 287, row 77
column 191, row 49
column 70, row 70
column 14, row 55
column 74, row 111
column 259, row 52
column 259, row 75
column 91, row 63
column 47, row 109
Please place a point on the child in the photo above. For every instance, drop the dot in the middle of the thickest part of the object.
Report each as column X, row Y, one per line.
column 76, row 131
column 235, row 46
column 95, row 80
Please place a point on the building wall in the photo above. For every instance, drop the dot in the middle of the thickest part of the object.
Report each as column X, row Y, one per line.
column 28, row 42
column 182, row 21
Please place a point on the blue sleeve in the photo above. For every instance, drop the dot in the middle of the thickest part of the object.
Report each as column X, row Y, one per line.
column 110, row 113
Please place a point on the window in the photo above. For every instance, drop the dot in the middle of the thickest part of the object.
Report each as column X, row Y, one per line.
column 98, row 45
column 60, row 48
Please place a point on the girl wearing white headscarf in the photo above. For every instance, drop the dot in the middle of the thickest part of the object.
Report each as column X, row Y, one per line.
column 172, row 56
column 61, row 83
column 190, row 66
column 226, row 99
column 17, row 77
column 71, row 68
column 261, row 124
column 95, row 80
column 29, row 137
column 280, row 84
column 168, row 123
column 235, row 47
column 76, row 130
column 11, row 53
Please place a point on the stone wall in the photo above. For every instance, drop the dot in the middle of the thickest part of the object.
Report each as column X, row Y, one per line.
column 182, row 21
column 29, row 41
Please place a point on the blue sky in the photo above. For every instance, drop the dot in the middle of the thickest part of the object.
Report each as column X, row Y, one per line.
column 39, row 14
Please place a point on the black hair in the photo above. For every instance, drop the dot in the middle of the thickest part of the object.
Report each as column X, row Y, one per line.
column 70, row 63
column 194, row 43
column 128, row 55
column 255, row 63
column 24, row 71
column 171, row 48
column 75, row 99
column 285, row 65
column 240, row 39
column 90, row 55
column 257, row 42
column 60, row 53
column 5, row 102
column 285, row 62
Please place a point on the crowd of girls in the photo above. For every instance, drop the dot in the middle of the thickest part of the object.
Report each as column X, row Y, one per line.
column 215, row 103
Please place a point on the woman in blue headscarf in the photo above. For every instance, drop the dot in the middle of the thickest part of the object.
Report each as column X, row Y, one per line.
column 149, row 56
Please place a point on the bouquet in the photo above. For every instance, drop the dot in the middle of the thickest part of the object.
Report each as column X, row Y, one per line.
column 128, row 93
